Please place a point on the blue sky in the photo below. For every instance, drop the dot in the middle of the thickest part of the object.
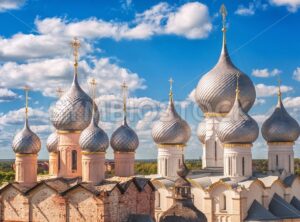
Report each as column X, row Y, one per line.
column 145, row 43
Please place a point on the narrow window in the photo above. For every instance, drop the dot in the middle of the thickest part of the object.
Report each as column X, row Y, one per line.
column 216, row 154
column 289, row 163
column 58, row 160
column 223, row 204
column 157, row 199
column 243, row 166
column 276, row 160
column 74, row 160
column 179, row 163
column 166, row 167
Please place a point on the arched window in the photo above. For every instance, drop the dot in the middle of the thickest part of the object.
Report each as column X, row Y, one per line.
column 216, row 154
column 276, row 160
column 223, row 202
column 243, row 166
column 166, row 167
column 74, row 160
column 58, row 160
column 289, row 163
column 157, row 199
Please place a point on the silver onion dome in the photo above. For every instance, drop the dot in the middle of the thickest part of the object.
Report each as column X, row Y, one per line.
column 26, row 141
column 237, row 126
column 171, row 128
column 201, row 131
column 124, row 139
column 280, row 126
column 52, row 143
column 215, row 92
column 93, row 138
column 73, row 111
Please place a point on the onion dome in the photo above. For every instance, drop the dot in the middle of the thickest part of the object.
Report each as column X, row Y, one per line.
column 124, row 139
column 215, row 92
column 93, row 138
column 183, row 208
column 26, row 141
column 171, row 128
column 237, row 126
column 52, row 143
column 280, row 126
column 73, row 111
column 201, row 131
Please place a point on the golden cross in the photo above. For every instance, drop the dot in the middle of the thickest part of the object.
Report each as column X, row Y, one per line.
column 75, row 45
column 124, row 90
column 26, row 89
column 223, row 12
column 93, row 84
column 279, row 85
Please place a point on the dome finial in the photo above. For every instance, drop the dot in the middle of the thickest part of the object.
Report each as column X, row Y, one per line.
column 171, row 89
column 279, row 90
column 124, row 92
column 223, row 12
column 75, row 45
column 237, row 91
column 26, row 89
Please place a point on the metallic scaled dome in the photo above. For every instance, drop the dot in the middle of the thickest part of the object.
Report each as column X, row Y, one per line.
column 171, row 128
column 201, row 131
column 52, row 143
column 215, row 92
column 73, row 111
column 237, row 126
column 26, row 141
column 280, row 126
column 124, row 139
column 93, row 138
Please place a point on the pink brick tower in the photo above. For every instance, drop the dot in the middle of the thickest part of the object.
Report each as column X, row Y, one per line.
column 52, row 143
column 71, row 114
column 124, row 142
column 26, row 144
column 94, row 143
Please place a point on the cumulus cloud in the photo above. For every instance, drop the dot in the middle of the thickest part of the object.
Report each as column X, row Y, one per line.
column 190, row 20
column 7, row 95
column 296, row 74
column 264, row 73
column 46, row 75
column 292, row 5
column 246, row 11
column 263, row 90
column 6, row 5
column 292, row 102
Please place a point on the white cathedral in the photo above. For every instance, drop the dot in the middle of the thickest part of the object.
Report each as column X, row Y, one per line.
column 227, row 189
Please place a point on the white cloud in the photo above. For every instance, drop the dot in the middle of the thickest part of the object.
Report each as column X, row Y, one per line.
column 46, row 75
column 292, row 102
column 6, row 5
column 296, row 74
column 292, row 5
column 246, row 11
column 7, row 95
column 263, row 73
column 263, row 90
column 259, row 102
column 191, row 20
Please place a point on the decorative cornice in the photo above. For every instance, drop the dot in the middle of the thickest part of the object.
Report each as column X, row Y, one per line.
column 91, row 153
column 25, row 154
column 281, row 143
column 171, row 145
column 68, row 131
column 237, row 145
column 118, row 152
column 209, row 114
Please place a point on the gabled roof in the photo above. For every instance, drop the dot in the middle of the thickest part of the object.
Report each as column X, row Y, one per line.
column 282, row 209
column 258, row 213
column 288, row 181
